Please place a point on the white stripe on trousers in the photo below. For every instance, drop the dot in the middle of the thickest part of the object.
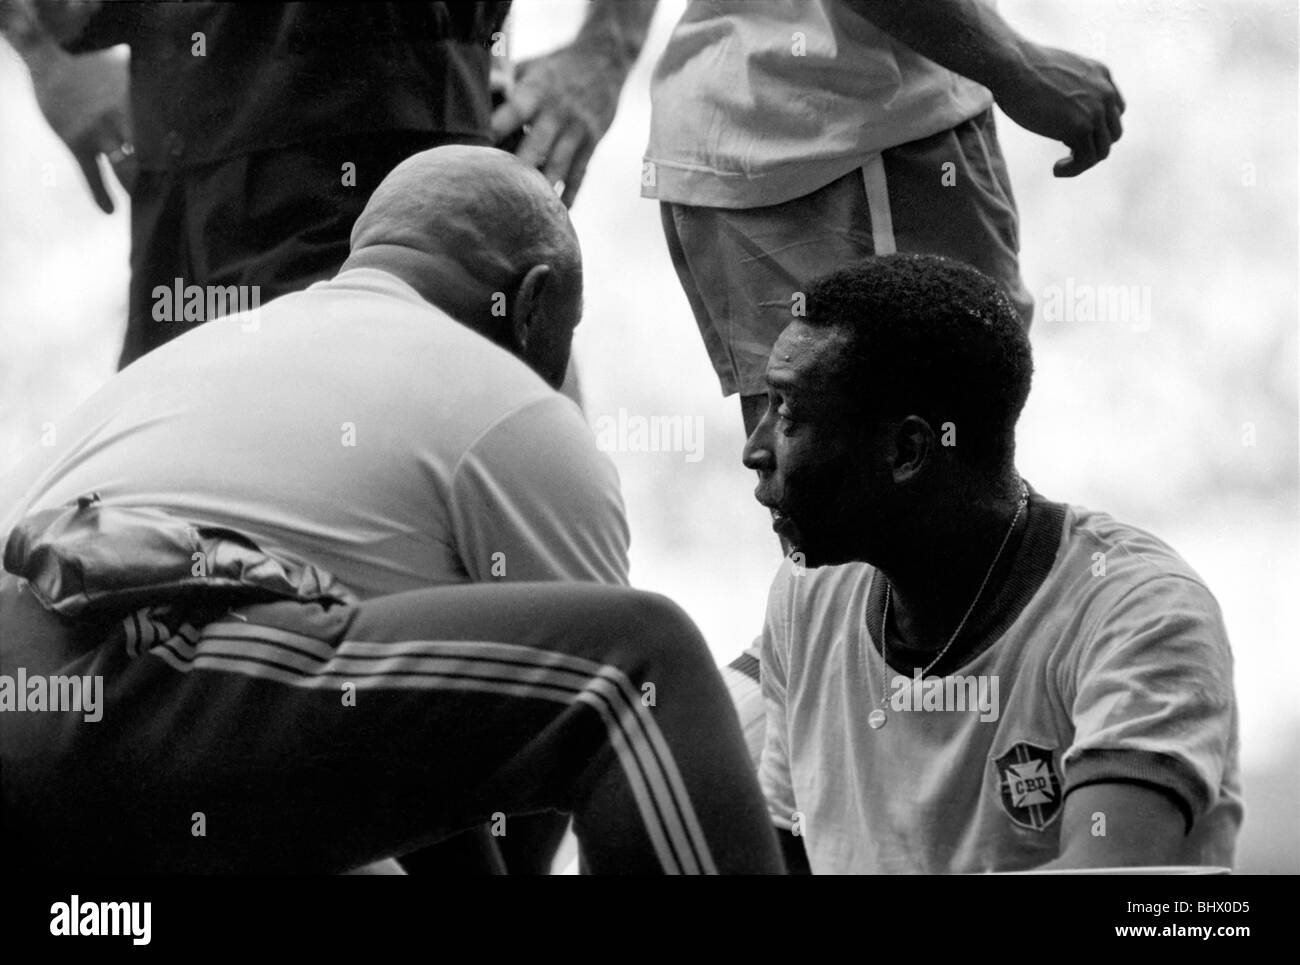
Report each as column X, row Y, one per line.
column 882, row 219
column 482, row 666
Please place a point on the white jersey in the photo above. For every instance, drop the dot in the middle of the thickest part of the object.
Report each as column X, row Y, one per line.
column 1104, row 659
column 354, row 426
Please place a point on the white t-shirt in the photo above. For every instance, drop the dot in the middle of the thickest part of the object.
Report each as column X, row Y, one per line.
column 358, row 428
column 757, row 102
column 1115, row 668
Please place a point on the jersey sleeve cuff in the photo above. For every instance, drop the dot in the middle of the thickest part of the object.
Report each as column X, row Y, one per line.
column 1160, row 772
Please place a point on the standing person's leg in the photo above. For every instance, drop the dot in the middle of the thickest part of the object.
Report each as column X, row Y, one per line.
column 159, row 255
column 289, row 738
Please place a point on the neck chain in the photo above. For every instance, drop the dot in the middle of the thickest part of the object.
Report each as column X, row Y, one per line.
column 876, row 719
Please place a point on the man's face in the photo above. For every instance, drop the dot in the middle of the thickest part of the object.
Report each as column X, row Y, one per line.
column 814, row 451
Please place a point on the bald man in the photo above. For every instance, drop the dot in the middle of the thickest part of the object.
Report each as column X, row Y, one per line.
column 283, row 556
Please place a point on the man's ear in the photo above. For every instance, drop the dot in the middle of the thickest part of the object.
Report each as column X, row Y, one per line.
column 527, row 300
column 913, row 448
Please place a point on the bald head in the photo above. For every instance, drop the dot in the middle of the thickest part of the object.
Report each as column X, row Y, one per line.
column 481, row 235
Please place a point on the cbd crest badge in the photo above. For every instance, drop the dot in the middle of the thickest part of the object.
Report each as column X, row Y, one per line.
column 1029, row 785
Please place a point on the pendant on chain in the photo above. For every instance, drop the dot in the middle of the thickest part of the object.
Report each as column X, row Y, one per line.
column 876, row 719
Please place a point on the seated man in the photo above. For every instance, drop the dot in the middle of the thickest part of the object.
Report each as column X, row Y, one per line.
column 960, row 674
column 286, row 548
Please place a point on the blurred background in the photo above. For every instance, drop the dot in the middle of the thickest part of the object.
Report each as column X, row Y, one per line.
column 1176, row 412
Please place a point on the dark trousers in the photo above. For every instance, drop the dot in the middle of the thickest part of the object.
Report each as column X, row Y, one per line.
column 278, row 219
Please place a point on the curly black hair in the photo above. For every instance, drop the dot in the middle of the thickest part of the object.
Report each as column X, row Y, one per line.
column 932, row 337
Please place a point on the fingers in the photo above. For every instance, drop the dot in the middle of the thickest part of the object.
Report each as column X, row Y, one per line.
column 125, row 130
column 1082, row 156
column 1101, row 141
column 1115, row 106
column 121, row 157
column 126, row 170
column 1113, row 124
column 103, row 139
column 506, row 120
column 1119, row 97
column 1075, row 163
column 577, row 172
column 89, row 164
column 560, row 165
column 560, row 119
column 537, row 146
column 519, row 107
column 1094, row 146
column 110, row 137
column 560, row 150
column 1107, row 127
column 563, row 162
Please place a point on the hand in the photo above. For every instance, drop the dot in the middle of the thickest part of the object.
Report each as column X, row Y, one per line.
column 84, row 99
column 1068, row 98
column 562, row 103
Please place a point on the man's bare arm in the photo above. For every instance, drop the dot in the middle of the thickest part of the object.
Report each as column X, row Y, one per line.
column 1048, row 91
column 1117, row 825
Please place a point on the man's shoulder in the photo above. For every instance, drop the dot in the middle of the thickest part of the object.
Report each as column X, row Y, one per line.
column 1105, row 562
column 1127, row 549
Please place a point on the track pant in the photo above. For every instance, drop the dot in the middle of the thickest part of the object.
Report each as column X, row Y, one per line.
column 285, row 737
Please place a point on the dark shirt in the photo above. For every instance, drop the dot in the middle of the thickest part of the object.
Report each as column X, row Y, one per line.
column 279, row 74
